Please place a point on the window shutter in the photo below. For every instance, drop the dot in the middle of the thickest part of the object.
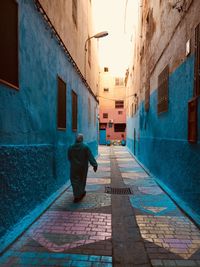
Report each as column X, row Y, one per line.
column 9, row 43
column 163, row 90
column 61, row 106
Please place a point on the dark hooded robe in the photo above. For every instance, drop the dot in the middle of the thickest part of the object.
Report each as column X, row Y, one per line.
column 79, row 156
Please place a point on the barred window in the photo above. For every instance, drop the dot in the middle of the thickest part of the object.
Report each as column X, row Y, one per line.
column 105, row 69
column 61, row 104
column 163, row 90
column 106, row 89
column 9, row 43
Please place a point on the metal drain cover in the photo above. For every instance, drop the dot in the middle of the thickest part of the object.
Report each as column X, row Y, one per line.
column 118, row 191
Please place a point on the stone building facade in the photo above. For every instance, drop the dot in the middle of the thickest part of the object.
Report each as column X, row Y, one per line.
column 43, row 93
column 112, row 108
column 163, row 110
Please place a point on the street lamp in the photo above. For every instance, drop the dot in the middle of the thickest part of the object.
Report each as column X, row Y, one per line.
column 98, row 35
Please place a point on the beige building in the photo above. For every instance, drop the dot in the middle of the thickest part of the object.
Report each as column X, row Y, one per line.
column 112, row 107
column 74, row 30
column 163, row 89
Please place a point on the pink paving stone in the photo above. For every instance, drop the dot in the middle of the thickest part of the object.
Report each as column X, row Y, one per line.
column 91, row 233
column 101, row 223
column 78, row 232
column 178, row 245
column 77, row 228
column 97, row 238
column 104, row 234
column 73, row 223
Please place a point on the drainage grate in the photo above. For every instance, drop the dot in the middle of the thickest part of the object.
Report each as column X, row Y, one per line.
column 118, row 191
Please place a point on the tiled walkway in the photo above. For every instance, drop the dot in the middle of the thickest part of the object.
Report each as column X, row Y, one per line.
column 80, row 234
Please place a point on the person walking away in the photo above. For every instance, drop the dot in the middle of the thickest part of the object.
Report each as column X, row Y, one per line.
column 80, row 155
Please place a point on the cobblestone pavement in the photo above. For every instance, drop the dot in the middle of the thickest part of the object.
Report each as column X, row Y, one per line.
column 85, row 234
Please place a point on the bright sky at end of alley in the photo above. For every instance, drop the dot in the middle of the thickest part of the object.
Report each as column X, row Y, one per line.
column 118, row 18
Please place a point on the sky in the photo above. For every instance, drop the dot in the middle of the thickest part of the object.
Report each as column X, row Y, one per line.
column 118, row 18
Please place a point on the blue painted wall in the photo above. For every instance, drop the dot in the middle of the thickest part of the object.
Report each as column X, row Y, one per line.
column 162, row 145
column 33, row 153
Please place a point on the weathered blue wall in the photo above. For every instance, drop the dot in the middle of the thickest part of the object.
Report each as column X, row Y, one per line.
column 162, row 146
column 33, row 158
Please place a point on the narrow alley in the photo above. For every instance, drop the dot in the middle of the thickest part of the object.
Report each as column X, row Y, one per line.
column 125, row 219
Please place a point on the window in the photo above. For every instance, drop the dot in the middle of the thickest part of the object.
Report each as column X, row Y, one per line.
column 197, row 62
column 89, row 111
column 163, row 90
column 119, row 104
column 192, row 120
column 61, row 104
column 74, row 111
column 131, row 109
column 120, row 112
column 147, row 95
column 102, row 126
column 106, row 89
column 105, row 69
column 74, row 11
column 119, row 127
column 105, row 115
column 119, row 81
column 9, row 43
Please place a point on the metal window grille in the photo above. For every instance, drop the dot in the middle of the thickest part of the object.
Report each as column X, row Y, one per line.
column 192, row 120
column 61, row 104
column 120, row 112
column 119, row 104
column 74, row 110
column 163, row 90
column 9, row 43
column 105, row 69
column 197, row 62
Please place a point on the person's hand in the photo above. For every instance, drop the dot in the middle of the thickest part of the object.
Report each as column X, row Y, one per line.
column 95, row 168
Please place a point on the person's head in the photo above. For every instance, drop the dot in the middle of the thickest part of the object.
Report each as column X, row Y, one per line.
column 79, row 138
